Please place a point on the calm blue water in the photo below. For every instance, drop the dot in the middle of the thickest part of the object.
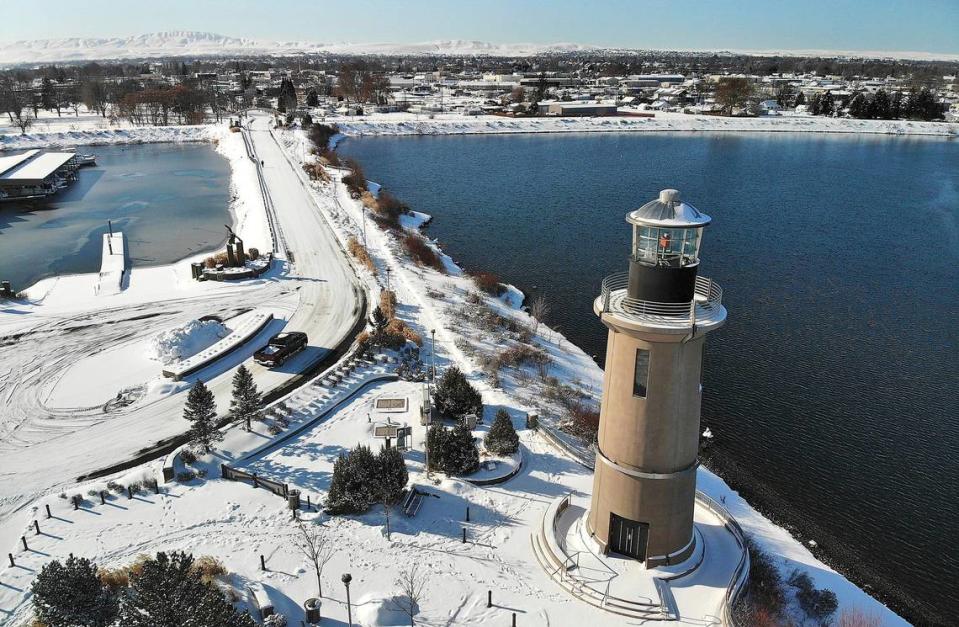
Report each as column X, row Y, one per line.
column 833, row 388
column 170, row 200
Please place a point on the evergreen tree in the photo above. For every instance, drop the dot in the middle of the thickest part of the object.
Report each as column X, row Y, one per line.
column 391, row 480
column 455, row 397
column 879, row 107
column 461, row 457
column 436, row 442
column 201, row 411
column 814, row 105
column 858, row 107
column 800, row 98
column 312, row 99
column 246, row 401
column 169, row 592
column 286, row 99
column 71, row 595
column 895, row 106
column 826, row 104
column 354, row 485
column 502, row 439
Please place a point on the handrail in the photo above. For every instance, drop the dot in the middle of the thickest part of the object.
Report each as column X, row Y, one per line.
column 708, row 297
column 737, row 582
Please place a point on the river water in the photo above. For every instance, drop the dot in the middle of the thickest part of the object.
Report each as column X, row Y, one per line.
column 170, row 200
column 832, row 390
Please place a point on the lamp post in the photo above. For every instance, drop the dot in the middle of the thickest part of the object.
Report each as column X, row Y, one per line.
column 388, row 270
column 429, row 396
column 346, row 579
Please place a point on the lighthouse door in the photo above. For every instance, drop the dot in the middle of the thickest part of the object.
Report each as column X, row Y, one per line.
column 628, row 537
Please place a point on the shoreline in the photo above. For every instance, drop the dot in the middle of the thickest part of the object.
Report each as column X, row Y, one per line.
column 405, row 124
column 758, row 497
column 244, row 220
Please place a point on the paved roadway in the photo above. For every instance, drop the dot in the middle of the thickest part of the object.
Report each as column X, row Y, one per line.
column 43, row 448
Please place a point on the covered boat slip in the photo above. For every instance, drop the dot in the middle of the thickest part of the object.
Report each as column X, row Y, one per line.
column 35, row 174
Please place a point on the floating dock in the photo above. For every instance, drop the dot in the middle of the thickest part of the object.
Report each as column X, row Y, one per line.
column 37, row 174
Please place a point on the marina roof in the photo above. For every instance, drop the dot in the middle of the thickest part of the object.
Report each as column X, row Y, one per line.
column 37, row 169
column 12, row 161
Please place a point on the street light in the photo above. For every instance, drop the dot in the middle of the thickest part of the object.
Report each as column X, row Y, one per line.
column 346, row 579
column 429, row 397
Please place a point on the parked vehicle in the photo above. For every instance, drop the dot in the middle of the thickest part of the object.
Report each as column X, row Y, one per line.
column 280, row 348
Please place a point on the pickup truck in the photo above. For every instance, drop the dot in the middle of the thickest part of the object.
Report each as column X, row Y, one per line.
column 280, row 347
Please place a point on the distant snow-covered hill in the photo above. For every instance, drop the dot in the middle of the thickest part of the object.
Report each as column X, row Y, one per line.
column 199, row 44
column 190, row 43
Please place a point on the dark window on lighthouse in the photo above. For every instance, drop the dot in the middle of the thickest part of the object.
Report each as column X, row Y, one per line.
column 641, row 375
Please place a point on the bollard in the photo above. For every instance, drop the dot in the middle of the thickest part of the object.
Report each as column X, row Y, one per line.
column 24, row 540
column 464, row 535
column 36, row 526
column 12, row 563
column 309, row 505
column 76, row 503
column 156, row 486
column 49, row 515
column 129, row 492
column 514, row 619
column 262, row 563
column 103, row 500
column 489, row 598
column 255, row 484
column 467, row 513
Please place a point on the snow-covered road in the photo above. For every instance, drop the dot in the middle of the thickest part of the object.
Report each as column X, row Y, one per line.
column 43, row 448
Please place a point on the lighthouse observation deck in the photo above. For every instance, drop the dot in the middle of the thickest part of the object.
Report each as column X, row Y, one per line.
column 705, row 311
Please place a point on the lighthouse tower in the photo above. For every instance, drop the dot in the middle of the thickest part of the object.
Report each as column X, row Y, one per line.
column 658, row 314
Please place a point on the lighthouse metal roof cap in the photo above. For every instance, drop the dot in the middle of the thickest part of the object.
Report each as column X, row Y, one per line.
column 668, row 211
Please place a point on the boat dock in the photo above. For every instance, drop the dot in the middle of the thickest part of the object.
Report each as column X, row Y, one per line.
column 38, row 174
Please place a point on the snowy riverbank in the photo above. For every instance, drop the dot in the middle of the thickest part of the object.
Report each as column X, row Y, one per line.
column 440, row 301
column 454, row 124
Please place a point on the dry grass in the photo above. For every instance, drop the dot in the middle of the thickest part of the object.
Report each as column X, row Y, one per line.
column 421, row 252
column 489, row 283
column 209, row 568
column 398, row 327
column 388, row 304
column 855, row 617
column 362, row 255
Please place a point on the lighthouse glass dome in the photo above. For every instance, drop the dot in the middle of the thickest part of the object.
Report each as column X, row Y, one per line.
column 667, row 232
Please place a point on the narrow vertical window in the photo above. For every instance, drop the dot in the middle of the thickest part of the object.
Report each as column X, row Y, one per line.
column 641, row 375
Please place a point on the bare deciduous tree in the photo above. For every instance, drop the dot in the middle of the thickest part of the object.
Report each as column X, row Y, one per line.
column 539, row 310
column 411, row 582
column 317, row 547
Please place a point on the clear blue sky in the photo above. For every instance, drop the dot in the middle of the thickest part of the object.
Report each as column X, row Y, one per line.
column 889, row 25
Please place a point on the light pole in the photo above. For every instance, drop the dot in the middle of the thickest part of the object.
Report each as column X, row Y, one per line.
column 429, row 397
column 346, row 579
column 388, row 270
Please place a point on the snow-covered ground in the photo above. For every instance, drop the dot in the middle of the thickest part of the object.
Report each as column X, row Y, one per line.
column 78, row 390
column 236, row 523
column 455, row 124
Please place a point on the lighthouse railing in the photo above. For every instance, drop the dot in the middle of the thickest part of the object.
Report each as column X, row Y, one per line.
column 707, row 298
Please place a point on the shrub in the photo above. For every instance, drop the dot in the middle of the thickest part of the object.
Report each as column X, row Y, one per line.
column 765, row 584
column 522, row 354
column 397, row 327
column 114, row 578
column 854, row 617
column 208, row 568
column 186, row 475
column 274, row 620
column 452, row 451
column 455, row 397
column 388, row 303
column 489, row 283
column 582, row 421
column 116, row 487
column 421, row 252
column 361, row 479
column 388, row 209
column 501, row 439
column 329, row 157
column 253, row 252
column 355, row 181
column 321, row 134
column 71, row 593
column 359, row 251
column 818, row 604
column 187, row 456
